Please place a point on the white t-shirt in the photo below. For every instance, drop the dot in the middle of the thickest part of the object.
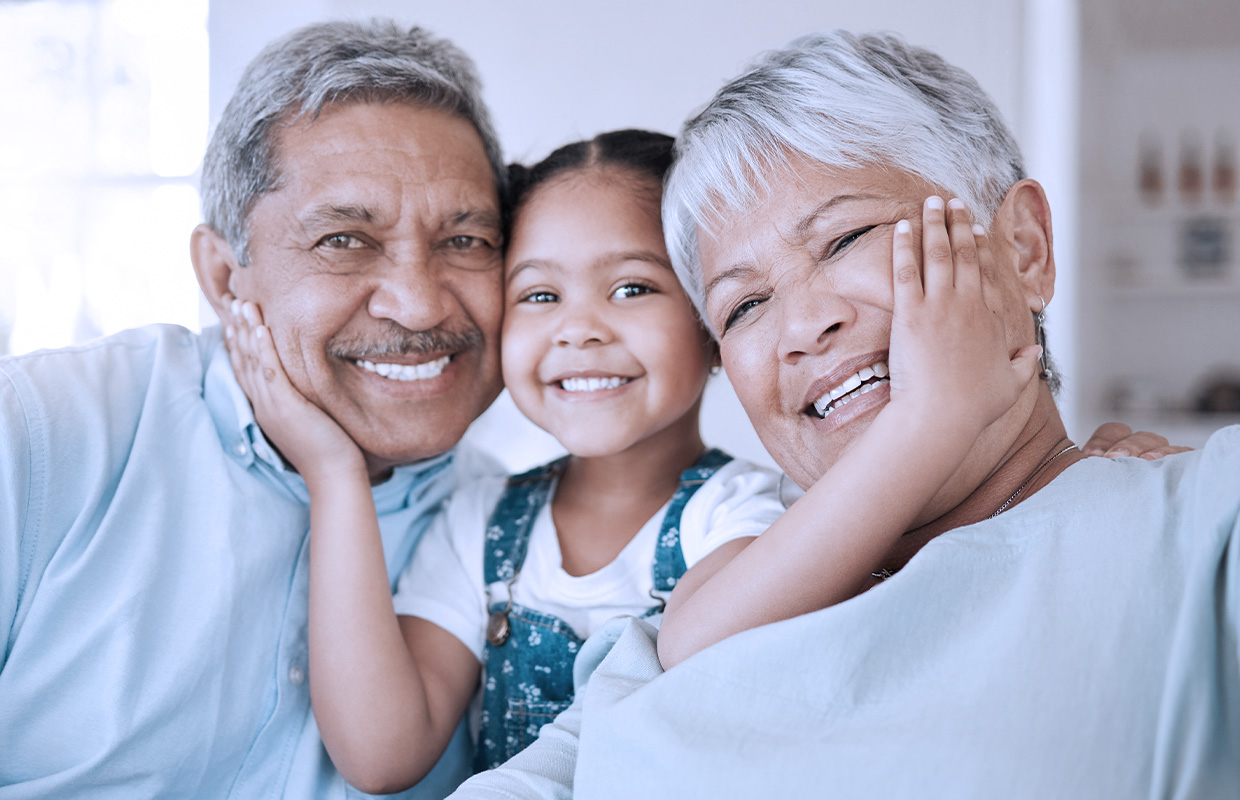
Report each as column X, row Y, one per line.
column 444, row 582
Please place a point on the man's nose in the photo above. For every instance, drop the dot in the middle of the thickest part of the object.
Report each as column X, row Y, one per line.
column 410, row 289
column 810, row 316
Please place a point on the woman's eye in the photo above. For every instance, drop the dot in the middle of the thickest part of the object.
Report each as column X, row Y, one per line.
column 740, row 312
column 342, row 241
column 540, row 297
column 631, row 290
column 848, row 238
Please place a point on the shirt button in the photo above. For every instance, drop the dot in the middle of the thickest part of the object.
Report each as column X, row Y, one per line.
column 296, row 675
column 240, row 449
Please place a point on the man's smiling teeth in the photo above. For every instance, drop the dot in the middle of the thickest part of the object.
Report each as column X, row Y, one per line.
column 407, row 372
column 852, row 388
column 591, row 384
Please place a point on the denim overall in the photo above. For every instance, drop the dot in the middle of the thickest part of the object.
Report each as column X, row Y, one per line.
column 529, row 654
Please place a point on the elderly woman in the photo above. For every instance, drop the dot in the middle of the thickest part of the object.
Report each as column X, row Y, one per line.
column 1047, row 626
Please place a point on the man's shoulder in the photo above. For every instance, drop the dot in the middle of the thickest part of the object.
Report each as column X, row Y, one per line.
column 102, row 388
column 110, row 361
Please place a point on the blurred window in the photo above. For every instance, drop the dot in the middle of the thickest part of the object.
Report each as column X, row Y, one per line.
column 101, row 137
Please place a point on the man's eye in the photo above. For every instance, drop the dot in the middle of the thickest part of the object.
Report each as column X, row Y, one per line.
column 741, row 311
column 466, row 242
column 632, row 290
column 848, row 239
column 342, row 241
column 540, row 297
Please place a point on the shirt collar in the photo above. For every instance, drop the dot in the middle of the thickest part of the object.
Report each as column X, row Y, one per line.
column 244, row 441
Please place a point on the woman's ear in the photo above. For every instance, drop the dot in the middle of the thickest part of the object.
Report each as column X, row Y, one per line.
column 214, row 264
column 1028, row 220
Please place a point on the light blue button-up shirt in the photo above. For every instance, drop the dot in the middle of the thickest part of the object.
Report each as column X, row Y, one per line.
column 154, row 574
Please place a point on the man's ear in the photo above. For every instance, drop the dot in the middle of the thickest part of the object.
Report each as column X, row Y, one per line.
column 1027, row 217
column 214, row 264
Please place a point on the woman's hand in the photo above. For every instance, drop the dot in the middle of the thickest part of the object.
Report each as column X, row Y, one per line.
column 1116, row 440
column 949, row 359
column 305, row 435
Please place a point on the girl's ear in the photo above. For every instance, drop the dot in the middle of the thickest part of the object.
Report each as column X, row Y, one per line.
column 1028, row 220
column 214, row 264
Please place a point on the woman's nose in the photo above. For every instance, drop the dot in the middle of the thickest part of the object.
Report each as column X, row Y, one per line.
column 811, row 316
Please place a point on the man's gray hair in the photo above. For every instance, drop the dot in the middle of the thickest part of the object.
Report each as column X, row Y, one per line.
column 331, row 62
column 842, row 101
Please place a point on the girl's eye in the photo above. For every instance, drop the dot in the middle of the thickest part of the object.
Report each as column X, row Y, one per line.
column 540, row 297
column 740, row 312
column 848, row 239
column 341, row 241
column 631, row 290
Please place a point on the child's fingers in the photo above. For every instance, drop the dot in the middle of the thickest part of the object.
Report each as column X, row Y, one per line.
column 268, row 359
column 905, row 267
column 936, row 245
column 964, row 245
column 1025, row 364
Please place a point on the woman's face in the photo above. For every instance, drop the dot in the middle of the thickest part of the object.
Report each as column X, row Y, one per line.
column 799, row 292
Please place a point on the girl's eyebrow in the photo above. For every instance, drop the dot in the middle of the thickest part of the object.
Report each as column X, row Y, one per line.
column 607, row 259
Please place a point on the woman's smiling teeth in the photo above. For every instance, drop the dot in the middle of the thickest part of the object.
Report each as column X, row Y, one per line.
column 407, row 372
column 865, row 380
column 592, row 384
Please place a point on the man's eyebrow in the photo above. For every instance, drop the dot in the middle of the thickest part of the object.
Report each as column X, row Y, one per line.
column 805, row 223
column 477, row 216
column 327, row 214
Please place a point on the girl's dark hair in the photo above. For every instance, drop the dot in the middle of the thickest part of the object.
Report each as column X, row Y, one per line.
column 645, row 153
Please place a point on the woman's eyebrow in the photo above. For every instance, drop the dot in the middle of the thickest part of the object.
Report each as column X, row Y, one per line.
column 806, row 222
column 733, row 273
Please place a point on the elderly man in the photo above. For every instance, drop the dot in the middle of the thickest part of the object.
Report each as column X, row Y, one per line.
column 153, row 547
column 1048, row 626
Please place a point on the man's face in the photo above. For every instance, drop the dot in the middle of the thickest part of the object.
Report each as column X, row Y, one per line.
column 799, row 291
column 376, row 263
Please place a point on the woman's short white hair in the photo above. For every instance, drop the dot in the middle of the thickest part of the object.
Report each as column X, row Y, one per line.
column 844, row 101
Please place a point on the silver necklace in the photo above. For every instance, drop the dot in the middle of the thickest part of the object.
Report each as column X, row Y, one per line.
column 1032, row 475
column 884, row 574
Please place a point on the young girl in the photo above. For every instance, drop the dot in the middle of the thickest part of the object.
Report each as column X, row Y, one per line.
column 603, row 349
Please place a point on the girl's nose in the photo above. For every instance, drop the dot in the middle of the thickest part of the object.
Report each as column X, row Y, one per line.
column 582, row 326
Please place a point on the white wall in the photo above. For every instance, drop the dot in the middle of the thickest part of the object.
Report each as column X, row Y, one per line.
column 562, row 70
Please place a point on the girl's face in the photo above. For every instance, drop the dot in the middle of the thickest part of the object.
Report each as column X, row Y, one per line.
column 601, row 347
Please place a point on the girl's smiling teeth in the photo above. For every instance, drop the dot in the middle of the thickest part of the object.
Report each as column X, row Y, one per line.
column 407, row 372
column 864, row 380
column 592, row 384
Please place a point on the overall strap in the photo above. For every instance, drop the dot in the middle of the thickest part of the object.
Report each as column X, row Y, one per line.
column 669, row 561
column 508, row 530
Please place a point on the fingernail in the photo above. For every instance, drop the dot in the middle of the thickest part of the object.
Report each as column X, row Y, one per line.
column 229, row 332
column 978, row 230
column 1094, row 451
column 956, row 203
column 251, row 316
column 235, row 307
column 261, row 330
column 903, row 226
column 935, row 202
column 1121, row 453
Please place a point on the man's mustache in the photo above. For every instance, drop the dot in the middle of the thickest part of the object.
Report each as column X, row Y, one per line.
column 398, row 340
